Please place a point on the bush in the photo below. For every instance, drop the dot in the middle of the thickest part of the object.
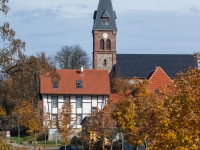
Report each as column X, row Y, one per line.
column 3, row 144
column 29, row 138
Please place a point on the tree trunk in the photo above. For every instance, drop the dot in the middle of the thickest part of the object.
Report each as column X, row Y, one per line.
column 122, row 138
column 111, row 146
column 45, row 140
column 18, row 128
column 145, row 144
column 103, row 143
column 34, row 140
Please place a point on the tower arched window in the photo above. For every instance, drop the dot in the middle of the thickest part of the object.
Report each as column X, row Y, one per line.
column 108, row 44
column 102, row 44
column 104, row 62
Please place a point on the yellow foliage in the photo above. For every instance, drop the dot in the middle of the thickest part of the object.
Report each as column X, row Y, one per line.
column 3, row 144
column 170, row 119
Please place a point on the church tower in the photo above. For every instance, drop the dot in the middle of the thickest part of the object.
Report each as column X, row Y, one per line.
column 104, row 36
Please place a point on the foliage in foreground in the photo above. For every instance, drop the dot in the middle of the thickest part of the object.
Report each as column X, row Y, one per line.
column 166, row 120
column 3, row 144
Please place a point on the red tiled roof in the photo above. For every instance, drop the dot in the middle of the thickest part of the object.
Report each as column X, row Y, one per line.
column 93, row 81
column 114, row 97
column 159, row 79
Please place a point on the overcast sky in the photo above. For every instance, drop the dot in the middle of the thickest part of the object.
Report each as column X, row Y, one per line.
column 144, row 26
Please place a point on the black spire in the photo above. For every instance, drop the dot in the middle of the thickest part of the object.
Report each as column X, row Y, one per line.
column 104, row 17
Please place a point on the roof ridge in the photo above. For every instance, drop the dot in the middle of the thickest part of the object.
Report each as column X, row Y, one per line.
column 156, row 70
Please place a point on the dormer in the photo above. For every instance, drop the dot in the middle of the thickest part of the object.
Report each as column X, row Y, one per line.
column 105, row 17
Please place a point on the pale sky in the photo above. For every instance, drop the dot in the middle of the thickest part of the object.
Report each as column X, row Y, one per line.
column 144, row 26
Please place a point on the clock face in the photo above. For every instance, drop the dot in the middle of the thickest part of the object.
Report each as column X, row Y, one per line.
column 105, row 35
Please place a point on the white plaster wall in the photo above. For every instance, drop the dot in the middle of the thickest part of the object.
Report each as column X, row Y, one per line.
column 86, row 98
column 54, row 110
column 49, row 98
column 73, row 98
column 60, row 105
column 73, row 108
column 94, row 98
column 60, row 98
column 94, row 103
column 86, row 108
column 50, row 110
column 44, row 101
column 87, row 103
column 79, row 110
column 100, row 106
column 100, row 97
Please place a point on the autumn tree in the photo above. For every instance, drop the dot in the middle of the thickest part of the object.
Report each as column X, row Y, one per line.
column 66, row 123
column 100, row 126
column 137, row 111
column 109, row 126
column 72, row 57
column 182, row 131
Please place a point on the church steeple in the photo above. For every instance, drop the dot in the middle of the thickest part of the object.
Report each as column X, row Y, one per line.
column 104, row 17
column 104, row 36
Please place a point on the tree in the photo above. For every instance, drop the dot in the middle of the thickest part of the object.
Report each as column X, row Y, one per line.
column 29, row 117
column 137, row 112
column 100, row 126
column 65, row 123
column 182, row 131
column 109, row 124
column 165, row 120
column 72, row 57
column 3, row 6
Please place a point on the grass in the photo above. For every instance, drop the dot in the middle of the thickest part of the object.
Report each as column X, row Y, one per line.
column 16, row 139
column 49, row 144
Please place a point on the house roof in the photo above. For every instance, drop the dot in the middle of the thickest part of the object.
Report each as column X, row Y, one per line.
column 104, row 9
column 93, row 81
column 158, row 79
column 141, row 65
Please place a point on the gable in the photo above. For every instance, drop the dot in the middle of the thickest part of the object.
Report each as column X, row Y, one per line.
column 158, row 79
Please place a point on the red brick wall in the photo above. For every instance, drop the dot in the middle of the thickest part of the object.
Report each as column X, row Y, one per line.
column 97, row 36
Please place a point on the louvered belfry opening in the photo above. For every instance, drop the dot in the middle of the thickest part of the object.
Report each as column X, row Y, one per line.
column 102, row 44
column 108, row 44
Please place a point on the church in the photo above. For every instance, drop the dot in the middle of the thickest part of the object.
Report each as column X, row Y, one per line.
column 88, row 89
column 128, row 65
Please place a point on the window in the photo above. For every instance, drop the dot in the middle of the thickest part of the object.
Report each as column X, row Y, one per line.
column 108, row 45
column 54, row 101
column 79, row 118
column 78, row 84
column 102, row 44
column 156, row 90
column 104, row 62
column 94, row 109
column 55, row 84
column 78, row 101
column 66, row 98
column 105, row 19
